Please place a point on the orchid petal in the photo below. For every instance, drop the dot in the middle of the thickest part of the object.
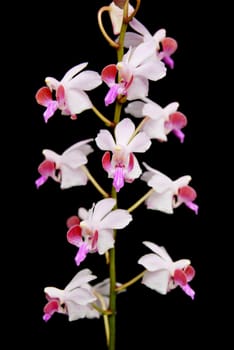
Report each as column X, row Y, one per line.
column 161, row 202
column 117, row 219
column 138, row 89
column 123, row 131
column 74, row 235
column 86, row 80
column 157, row 280
column 159, row 250
column 153, row 262
column 77, row 101
column 108, row 74
column 105, row 141
column 73, row 71
column 105, row 241
column 43, row 96
column 81, row 254
column 140, row 143
column 82, row 277
column 135, row 109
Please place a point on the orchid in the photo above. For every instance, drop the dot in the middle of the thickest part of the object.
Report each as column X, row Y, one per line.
column 70, row 95
column 169, row 45
column 65, row 168
column 137, row 67
column 123, row 166
column 168, row 194
column 75, row 300
column 162, row 274
column 95, row 232
column 141, row 60
column 160, row 121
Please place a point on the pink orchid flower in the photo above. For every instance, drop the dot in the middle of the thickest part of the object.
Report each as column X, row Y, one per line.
column 163, row 274
column 95, row 232
column 161, row 121
column 70, row 95
column 75, row 300
column 122, row 166
column 164, row 46
column 116, row 16
column 168, row 194
column 65, row 168
column 135, row 70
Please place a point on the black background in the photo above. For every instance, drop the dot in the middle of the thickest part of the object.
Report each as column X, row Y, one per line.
column 55, row 39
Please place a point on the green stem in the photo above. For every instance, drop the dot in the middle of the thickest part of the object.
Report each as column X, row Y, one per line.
column 112, row 317
column 94, row 182
column 102, row 117
column 129, row 283
column 141, row 200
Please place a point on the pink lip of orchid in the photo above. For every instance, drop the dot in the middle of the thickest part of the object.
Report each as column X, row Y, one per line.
column 70, row 95
column 168, row 45
column 123, row 165
column 75, row 300
column 95, row 232
column 161, row 121
column 168, row 194
column 65, row 168
column 137, row 67
column 163, row 274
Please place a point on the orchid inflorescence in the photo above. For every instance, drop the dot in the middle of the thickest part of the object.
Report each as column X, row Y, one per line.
column 141, row 57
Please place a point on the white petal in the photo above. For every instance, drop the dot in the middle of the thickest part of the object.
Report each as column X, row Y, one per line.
column 159, row 250
column 82, row 277
column 159, row 36
column 138, row 89
column 81, row 296
column 182, row 181
column 52, row 156
column 161, row 202
column 73, row 71
column 116, row 219
column 132, row 39
column 181, row 264
column 142, row 52
column 105, row 241
column 171, row 108
column 153, row 110
column 76, row 312
column 74, row 158
column 140, row 143
column 52, row 83
column 83, row 213
column 140, row 28
column 123, row 131
column 102, row 208
column 135, row 109
column 77, row 101
column 72, row 177
column 157, row 280
column 136, row 171
column 53, row 292
column 153, row 262
column 155, row 129
column 154, row 69
column 105, row 141
column 86, row 80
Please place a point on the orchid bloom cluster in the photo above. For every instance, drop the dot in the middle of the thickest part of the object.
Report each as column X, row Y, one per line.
column 141, row 57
